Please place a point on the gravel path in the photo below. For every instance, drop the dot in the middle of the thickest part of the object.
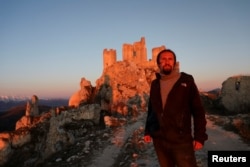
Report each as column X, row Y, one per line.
column 124, row 146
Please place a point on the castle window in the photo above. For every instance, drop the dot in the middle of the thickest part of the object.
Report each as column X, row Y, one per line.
column 237, row 85
column 134, row 53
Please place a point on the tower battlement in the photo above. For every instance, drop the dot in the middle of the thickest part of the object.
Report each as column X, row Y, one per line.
column 109, row 57
column 155, row 52
column 136, row 52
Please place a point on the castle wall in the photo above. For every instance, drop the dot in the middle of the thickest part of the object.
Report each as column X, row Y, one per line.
column 127, row 52
column 140, row 51
column 155, row 52
column 136, row 52
column 235, row 95
column 109, row 57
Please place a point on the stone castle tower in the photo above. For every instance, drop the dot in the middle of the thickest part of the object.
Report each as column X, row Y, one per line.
column 109, row 57
column 155, row 52
column 136, row 52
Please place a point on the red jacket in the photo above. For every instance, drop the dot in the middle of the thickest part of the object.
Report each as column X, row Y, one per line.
column 173, row 124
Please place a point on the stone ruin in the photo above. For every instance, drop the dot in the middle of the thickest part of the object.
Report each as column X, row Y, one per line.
column 31, row 112
column 38, row 137
column 82, row 96
column 235, row 96
column 124, row 85
column 134, row 57
column 136, row 52
column 47, row 132
column 32, row 107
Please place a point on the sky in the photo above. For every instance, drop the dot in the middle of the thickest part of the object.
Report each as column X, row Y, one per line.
column 47, row 46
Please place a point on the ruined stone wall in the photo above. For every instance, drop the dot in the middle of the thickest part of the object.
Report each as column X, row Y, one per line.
column 235, row 95
column 109, row 57
column 127, row 52
column 140, row 51
column 136, row 52
column 155, row 52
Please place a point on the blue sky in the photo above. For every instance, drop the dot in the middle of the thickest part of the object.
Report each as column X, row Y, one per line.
column 47, row 46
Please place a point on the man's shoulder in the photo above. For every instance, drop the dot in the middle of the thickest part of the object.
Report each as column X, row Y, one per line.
column 154, row 81
column 186, row 76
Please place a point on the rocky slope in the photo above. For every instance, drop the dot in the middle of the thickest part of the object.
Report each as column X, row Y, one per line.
column 121, row 93
column 46, row 134
column 124, row 87
column 75, row 136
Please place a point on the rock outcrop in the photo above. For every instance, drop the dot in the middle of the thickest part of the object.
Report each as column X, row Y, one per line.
column 31, row 113
column 124, row 87
column 83, row 96
column 235, row 96
column 50, row 132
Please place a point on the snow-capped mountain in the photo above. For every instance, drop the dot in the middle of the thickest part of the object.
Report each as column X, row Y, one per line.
column 5, row 98
column 6, row 102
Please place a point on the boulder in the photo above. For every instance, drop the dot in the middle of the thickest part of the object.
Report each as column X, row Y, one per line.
column 32, row 107
column 235, row 96
column 58, row 137
column 31, row 112
column 82, row 96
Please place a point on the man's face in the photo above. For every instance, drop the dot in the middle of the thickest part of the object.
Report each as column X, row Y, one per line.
column 166, row 63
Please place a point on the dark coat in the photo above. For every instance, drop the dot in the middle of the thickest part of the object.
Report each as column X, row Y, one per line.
column 173, row 124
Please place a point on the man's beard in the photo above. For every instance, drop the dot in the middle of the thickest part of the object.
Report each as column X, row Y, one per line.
column 167, row 70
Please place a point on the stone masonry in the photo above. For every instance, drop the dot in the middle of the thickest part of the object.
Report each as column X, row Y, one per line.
column 235, row 95
column 136, row 52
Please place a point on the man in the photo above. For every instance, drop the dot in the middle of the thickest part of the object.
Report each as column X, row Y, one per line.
column 174, row 101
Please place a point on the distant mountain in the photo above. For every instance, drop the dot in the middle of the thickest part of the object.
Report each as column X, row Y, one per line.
column 13, row 98
column 7, row 102
column 212, row 94
column 215, row 91
column 6, row 105
column 9, row 118
column 12, row 109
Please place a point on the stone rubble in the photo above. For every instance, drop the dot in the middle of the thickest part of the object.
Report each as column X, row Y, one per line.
column 106, row 118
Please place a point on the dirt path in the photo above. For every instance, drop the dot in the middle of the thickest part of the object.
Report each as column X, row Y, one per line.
column 118, row 154
column 124, row 146
column 108, row 156
column 219, row 140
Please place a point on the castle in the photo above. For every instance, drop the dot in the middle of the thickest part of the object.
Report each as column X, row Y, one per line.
column 136, row 52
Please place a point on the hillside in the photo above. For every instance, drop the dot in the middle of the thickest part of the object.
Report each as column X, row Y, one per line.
column 14, row 110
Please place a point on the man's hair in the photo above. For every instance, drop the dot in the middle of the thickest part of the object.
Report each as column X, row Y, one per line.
column 163, row 51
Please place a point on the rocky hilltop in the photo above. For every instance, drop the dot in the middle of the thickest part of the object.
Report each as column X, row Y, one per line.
column 124, row 87
column 121, row 92
column 120, row 96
